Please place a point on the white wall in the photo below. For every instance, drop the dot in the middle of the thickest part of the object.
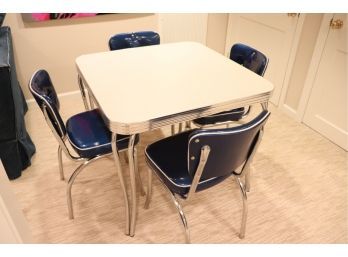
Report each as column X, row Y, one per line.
column 217, row 31
column 54, row 45
column 175, row 27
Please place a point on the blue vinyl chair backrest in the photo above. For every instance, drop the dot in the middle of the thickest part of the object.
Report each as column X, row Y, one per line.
column 44, row 93
column 134, row 39
column 249, row 57
column 229, row 148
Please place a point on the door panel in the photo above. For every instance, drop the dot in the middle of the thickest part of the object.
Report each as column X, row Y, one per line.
column 271, row 34
column 327, row 110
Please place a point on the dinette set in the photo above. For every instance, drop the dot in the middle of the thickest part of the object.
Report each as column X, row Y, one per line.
column 141, row 85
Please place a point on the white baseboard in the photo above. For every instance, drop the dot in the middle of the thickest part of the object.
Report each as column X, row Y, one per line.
column 290, row 112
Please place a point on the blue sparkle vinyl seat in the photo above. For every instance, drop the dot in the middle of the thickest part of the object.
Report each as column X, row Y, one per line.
column 86, row 131
column 198, row 159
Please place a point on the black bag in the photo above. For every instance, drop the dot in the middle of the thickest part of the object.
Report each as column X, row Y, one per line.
column 16, row 146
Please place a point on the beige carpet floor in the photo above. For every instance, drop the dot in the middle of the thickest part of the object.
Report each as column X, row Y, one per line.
column 298, row 193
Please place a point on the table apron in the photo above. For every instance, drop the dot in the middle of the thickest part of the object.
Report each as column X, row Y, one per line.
column 134, row 128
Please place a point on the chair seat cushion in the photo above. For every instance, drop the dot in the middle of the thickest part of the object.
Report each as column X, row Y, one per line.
column 168, row 159
column 227, row 116
column 90, row 137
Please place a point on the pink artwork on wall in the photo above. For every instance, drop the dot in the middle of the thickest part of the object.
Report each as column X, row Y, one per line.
column 56, row 16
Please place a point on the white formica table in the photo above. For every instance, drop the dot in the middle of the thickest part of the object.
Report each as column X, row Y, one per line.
column 145, row 88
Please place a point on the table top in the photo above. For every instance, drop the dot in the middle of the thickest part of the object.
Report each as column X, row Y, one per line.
column 144, row 88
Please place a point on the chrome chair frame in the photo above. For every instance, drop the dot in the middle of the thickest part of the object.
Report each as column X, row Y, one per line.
column 243, row 186
column 86, row 161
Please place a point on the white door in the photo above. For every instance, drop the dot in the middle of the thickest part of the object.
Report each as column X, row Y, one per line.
column 327, row 108
column 175, row 27
column 272, row 34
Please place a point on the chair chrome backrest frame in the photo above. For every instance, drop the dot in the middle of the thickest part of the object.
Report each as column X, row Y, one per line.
column 206, row 149
column 58, row 131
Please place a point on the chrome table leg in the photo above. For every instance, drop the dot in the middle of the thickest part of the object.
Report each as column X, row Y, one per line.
column 137, row 174
column 264, row 106
column 91, row 103
column 133, row 184
column 83, row 93
column 121, row 178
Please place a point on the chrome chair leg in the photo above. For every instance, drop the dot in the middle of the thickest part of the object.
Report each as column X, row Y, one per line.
column 247, row 180
column 149, row 189
column 180, row 210
column 182, row 217
column 72, row 179
column 137, row 174
column 245, row 208
column 68, row 189
column 60, row 163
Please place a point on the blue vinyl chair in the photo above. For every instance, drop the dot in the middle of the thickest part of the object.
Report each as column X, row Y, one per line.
column 251, row 59
column 88, row 135
column 198, row 159
column 133, row 39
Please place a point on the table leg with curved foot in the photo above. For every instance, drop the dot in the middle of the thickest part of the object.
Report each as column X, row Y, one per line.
column 133, row 196
column 121, row 178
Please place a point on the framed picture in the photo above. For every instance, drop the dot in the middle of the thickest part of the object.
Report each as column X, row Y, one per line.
column 55, row 16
